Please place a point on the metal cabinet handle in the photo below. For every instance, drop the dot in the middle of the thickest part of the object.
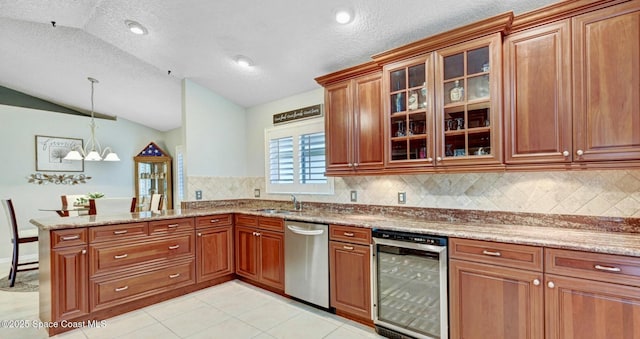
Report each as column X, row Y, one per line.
column 174, row 247
column 565, row 153
column 84, row 251
column 551, row 284
column 173, row 225
column 348, row 234
column 579, row 152
column 120, row 289
column 73, row 237
column 438, row 159
column 199, row 234
column 121, row 256
column 213, row 221
column 429, row 159
column 493, row 254
column 350, row 164
column 536, row 282
column 355, row 164
column 254, row 234
column 347, row 247
column 120, row 232
column 607, row 268
column 173, row 276
column 258, row 234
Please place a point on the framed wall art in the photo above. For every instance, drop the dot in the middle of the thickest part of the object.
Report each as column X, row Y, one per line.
column 50, row 153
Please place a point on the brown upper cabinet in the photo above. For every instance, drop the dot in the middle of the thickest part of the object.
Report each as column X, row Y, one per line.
column 353, row 122
column 572, row 92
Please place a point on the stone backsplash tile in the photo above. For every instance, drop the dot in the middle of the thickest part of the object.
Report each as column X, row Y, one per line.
column 595, row 193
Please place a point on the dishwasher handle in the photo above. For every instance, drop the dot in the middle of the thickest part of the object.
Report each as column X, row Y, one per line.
column 301, row 231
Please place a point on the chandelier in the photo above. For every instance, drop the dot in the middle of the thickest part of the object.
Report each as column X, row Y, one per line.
column 92, row 151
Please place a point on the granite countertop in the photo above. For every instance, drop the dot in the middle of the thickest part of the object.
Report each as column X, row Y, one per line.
column 508, row 230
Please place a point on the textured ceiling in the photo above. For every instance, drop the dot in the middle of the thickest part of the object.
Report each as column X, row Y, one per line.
column 290, row 41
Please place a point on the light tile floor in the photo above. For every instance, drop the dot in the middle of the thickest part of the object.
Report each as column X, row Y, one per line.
column 230, row 310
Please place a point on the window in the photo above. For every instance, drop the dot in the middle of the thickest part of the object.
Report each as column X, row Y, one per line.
column 295, row 159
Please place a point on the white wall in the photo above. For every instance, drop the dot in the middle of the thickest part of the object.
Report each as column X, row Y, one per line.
column 18, row 127
column 261, row 117
column 214, row 130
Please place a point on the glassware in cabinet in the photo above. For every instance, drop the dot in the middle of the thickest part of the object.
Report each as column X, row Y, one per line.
column 468, row 101
column 409, row 105
column 153, row 176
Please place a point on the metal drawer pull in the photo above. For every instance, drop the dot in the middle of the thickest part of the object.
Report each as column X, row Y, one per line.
column 551, row 284
column 258, row 234
column 173, row 225
column 199, row 234
column 348, row 234
column 172, row 276
column 493, row 254
column 73, row 237
column 84, row 251
column 122, row 256
column 607, row 268
column 536, row 282
column 120, row 232
column 347, row 247
column 174, row 247
column 120, row 289
column 214, row 220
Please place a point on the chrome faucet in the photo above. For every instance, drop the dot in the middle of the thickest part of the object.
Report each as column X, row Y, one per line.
column 297, row 205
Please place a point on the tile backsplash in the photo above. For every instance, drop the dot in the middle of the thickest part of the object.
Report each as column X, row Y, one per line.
column 595, row 193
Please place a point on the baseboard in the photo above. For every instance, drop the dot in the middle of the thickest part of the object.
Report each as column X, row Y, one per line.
column 22, row 258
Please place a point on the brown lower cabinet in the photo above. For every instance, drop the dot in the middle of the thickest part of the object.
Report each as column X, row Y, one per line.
column 350, row 270
column 574, row 295
column 69, row 281
column 259, row 249
column 214, row 247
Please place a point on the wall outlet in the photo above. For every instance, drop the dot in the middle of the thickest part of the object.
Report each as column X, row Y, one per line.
column 198, row 195
column 402, row 197
column 256, row 193
column 354, row 196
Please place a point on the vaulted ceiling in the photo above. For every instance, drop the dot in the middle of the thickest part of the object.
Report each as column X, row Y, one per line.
column 290, row 42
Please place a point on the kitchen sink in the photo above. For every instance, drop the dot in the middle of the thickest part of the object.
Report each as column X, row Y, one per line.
column 275, row 211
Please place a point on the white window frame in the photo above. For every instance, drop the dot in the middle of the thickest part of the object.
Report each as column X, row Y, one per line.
column 294, row 130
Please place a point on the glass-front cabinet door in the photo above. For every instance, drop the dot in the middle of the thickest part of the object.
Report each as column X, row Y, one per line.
column 409, row 103
column 153, row 176
column 468, row 86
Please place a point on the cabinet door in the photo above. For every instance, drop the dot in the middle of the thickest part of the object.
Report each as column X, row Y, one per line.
column 350, row 270
column 214, row 256
column 369, row 126
column 537, row 77
column 271, row 254
column 579, row 308
column 606, row 51
column 489, row 301
column 70, row 282
column 246, row 250
column 339, row 126
column 408, row 87
column 469, row 102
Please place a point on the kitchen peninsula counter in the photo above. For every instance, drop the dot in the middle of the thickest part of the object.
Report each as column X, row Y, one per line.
column 609, row 235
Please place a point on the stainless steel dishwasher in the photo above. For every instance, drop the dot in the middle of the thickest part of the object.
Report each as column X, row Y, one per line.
column 306, row 260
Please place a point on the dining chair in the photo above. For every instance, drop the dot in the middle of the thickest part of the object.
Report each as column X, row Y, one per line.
column 156, row 202
column 68, row 202
column 112, row 205
column 18, row 237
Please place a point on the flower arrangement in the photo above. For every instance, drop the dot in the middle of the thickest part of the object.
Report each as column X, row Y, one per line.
column 84, row 201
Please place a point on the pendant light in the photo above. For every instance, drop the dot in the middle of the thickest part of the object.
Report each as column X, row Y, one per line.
column 93, row 151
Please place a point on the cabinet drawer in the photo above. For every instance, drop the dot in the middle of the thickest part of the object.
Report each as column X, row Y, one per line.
column 357, row 235
column 170, row 226
column 109, row 257
column 246, row 220
column 596, row 266
column 68, row 237
column 510, row 255
column 117, row 232
column 214, row 220
column 109, row 291
column 273, row 224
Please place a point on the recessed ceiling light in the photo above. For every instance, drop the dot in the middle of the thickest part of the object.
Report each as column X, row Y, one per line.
column 344, row 16
column 244, row 61
column 135, row 27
